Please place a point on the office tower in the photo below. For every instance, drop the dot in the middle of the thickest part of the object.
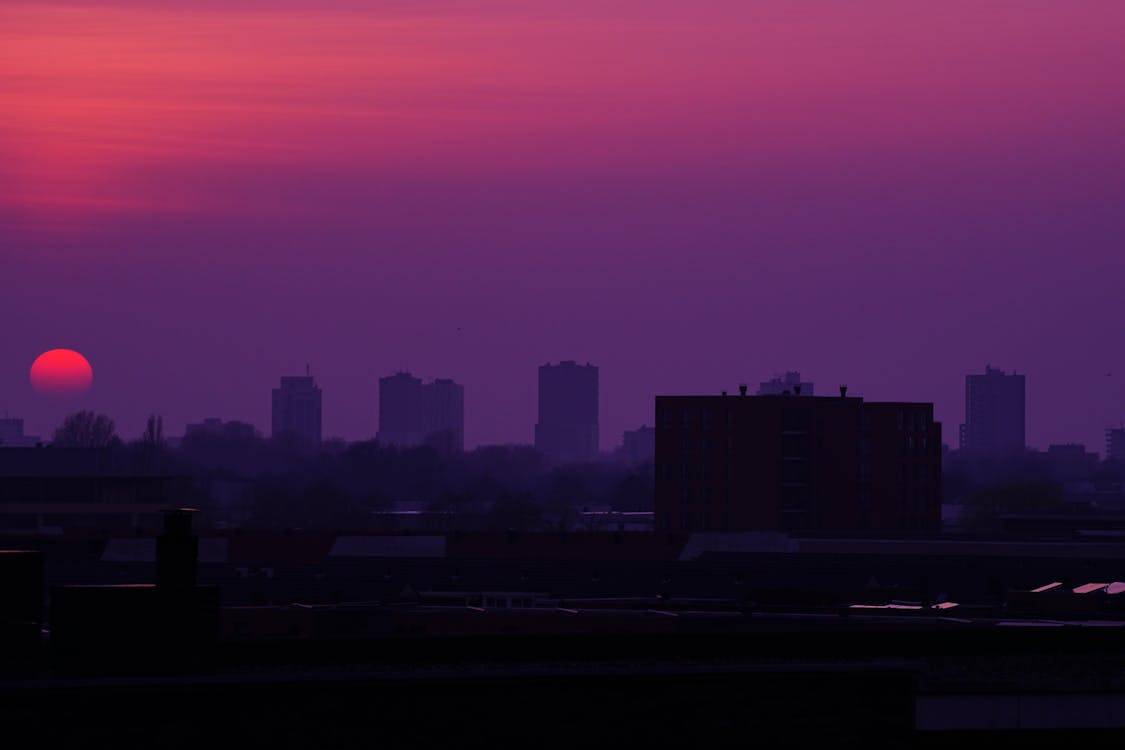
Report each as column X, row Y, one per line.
column 817, row 463
column 297, row 410
column 567, row 429
column 994, row 414
column 790, row 382
column 412, row 413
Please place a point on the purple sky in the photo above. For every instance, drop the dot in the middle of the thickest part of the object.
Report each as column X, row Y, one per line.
column 204, row 197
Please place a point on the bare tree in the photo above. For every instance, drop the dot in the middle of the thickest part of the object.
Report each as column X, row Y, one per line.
column 153, row 437
column 85, row 429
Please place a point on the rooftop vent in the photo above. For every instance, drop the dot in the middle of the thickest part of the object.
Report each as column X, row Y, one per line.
column 843, row 391
column 742, row 390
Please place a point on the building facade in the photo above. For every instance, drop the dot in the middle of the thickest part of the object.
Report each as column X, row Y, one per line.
column 400, row 410
column 413, row 413
column 443, row 415
column 1115, row 444
column 995, row 420
column 297, row 410
column 567, row 428
column 750, row 463
column 638, row 446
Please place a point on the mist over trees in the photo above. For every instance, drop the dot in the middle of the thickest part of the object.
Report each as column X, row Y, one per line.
column 343, row 486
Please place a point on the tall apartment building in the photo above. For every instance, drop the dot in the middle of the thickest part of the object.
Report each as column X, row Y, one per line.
column 413, row 413
column 995, row 420
column 443, row 415
column 567, row 428
column 741, row 463
column 297, row 409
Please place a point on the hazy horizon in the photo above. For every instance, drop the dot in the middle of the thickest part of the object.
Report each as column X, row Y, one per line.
column 203, row 197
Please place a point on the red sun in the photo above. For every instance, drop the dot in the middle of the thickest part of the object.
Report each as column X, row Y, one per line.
column 61, row 372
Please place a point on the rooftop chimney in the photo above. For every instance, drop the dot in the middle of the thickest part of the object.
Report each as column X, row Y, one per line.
column 843, row 391
column 742, row 390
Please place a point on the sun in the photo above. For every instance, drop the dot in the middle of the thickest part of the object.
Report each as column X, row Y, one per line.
column 61, row 372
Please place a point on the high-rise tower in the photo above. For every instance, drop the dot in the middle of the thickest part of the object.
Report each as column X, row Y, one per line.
column 297, row 409
column 567, row 429
column 994, row 414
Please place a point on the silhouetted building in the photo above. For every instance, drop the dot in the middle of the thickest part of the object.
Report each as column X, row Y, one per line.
column 61, row 489
column 11, row 434
column 994, row 414
column 790, row 383
column 443, row 411
column 1071, row 462
column 297, row 409
column 412, row 413
column 233, row 429
column 1115, row 444
column 400, row 410
column 742, row 463
column 639, row 445
column 567, row 429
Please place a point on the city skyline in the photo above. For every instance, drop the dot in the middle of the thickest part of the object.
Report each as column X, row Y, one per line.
column 774, row 385
column 202, row 196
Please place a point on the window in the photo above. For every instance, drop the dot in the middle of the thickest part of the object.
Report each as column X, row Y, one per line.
column 687, row 419
column 666, row 419
column 706, row 419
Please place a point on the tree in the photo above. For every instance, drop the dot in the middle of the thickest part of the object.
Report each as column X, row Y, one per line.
column 85, row 429
column 153, row 437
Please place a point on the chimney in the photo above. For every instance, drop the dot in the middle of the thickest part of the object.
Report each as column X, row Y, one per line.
column 724, row 393
column 177, row 550
column 843, row 391
column 742, row 390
